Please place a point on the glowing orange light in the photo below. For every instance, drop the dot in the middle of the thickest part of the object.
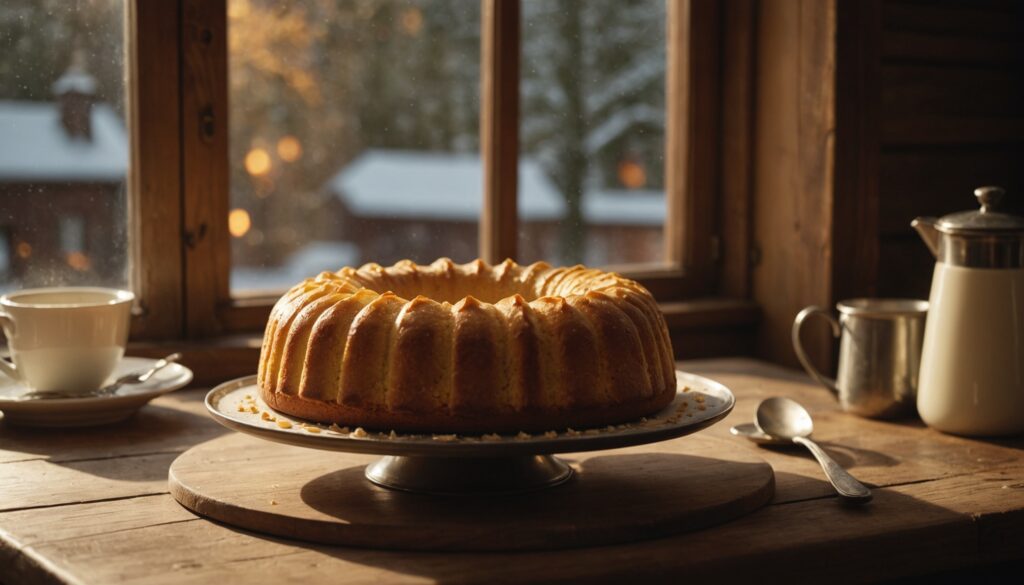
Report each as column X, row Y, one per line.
column 257, row 162
column 79, row 261
column 239, row 222
column 289, row 149
column 632, row 174
column 238, row 9
column 412, row 21
column 24, row 249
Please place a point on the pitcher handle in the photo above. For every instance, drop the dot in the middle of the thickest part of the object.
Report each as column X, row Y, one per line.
column 805, row 361
column 9, row 328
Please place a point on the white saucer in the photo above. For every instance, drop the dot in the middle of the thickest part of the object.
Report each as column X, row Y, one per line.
column 93, row 410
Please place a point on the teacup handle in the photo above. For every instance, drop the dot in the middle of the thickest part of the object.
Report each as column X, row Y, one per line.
column 825, row 381
column 9, row 327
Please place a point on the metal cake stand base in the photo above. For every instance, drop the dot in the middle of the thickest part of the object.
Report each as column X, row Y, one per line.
column 464, row 475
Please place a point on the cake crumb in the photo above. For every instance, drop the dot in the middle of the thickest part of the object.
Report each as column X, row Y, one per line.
column 254, row 410
column 359, row 433
column 334, row 428
column 571, row 432
column 267, row 416
column 446, row 438
column 523, row 436
column 550, row 435
column 273, row 502
column 392, row 434
column 311, row 429
column 699, row 398
column 248, row 396
column 284, row 424
column 591, row 432
column 701, row 407
column 689, row 414
column 686, row 388
column 491, row 437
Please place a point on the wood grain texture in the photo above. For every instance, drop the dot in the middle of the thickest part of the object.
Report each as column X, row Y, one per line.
column 155, row 173
column 793, row 171
column 204, row 123
column 499, row 128
column 692, row 136
column 736, row 181
column 941, row 502
column 855, row 216
column 951, row 118
column 621, row 496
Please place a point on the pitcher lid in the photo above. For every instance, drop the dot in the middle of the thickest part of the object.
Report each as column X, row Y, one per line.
column 988, row 219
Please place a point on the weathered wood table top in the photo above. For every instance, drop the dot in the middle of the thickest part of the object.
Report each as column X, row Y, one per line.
column 91, row 506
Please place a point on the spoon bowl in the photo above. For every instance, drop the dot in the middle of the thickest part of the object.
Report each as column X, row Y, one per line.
column 784, row 418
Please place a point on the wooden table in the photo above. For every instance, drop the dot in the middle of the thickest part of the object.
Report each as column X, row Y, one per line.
column 92, row 506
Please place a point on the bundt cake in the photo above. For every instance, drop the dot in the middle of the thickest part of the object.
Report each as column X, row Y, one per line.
column 468, row 348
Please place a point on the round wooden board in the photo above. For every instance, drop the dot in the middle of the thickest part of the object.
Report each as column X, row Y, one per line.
column 616, row 496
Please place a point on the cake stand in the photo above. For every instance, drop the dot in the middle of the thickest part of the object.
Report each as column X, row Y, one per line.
column 470, row 465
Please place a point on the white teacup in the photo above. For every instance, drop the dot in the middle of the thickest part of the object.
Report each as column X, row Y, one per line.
column 68, row 339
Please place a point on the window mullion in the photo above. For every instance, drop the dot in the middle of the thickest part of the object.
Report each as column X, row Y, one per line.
column 677, row 128
column 499, row 127
column 204, row 131
column 154, row 184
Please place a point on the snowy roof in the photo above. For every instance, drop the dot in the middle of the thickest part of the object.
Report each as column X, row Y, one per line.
column 308, row 261
column 77, row 80
column 621, row 207
column 35, row 147
column 412, row 184
column 402, row 183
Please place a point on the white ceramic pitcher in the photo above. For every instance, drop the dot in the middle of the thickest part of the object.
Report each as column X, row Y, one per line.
column 972, row 364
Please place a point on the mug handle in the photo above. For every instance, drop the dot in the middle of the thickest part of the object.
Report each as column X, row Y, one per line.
column 805, row 361
column 9, row 328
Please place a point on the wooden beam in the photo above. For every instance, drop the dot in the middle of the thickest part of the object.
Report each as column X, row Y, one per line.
column 205, row 155
column 793, row 170
column 154, row 176
column 499, row 127
column 677, row 131
column 736, row 177
column 692, row 234
column 855, row 216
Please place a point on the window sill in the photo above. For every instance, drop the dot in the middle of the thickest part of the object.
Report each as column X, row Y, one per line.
column 699, row 328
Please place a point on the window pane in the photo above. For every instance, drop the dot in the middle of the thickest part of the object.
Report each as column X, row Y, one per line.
column 592, row 148
column 63, row 144
column 354, row 135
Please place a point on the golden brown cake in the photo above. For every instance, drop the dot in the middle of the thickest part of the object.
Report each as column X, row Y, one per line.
column 468, row 348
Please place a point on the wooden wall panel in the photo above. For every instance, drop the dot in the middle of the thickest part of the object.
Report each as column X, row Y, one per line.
column 793, row 169
column 952, row 118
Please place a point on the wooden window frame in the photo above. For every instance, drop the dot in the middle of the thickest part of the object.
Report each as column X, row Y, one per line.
column 177, row 68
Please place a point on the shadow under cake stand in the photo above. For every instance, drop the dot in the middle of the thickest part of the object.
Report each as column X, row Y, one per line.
column 512, row 492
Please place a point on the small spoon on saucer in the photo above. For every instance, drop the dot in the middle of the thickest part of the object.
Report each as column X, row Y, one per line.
column 109, row 389
column 784, row 421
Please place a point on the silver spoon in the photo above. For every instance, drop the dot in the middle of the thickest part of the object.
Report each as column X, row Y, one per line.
column 784, row 421
column 109, row 389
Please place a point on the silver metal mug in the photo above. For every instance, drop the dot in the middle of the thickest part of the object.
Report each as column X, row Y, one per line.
column 879, row 354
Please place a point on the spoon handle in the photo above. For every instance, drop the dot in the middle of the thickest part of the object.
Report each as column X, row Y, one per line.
column 847, row 485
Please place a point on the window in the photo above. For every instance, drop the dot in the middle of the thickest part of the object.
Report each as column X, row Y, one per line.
column 64, row 147
column 257, row 142
column 592, row 131
column 354, row 135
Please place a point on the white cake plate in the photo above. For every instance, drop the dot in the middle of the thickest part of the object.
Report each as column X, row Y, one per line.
column 461, row 464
